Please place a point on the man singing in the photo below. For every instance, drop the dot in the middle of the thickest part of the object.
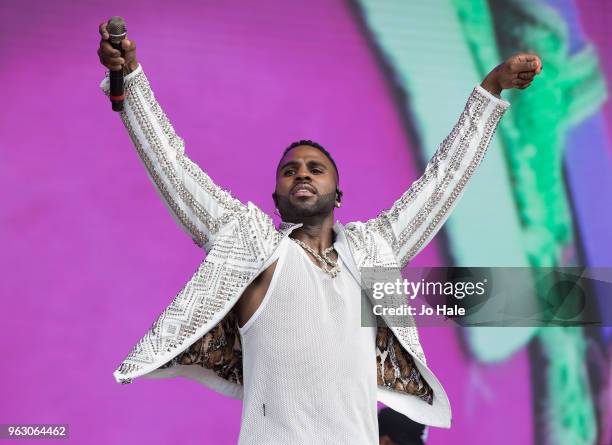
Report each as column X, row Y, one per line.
column 273, row 315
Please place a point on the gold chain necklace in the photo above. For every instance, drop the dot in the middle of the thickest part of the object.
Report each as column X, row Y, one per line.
column 329, row 266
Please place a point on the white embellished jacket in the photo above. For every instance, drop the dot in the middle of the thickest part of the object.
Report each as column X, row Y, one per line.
column 196, row 336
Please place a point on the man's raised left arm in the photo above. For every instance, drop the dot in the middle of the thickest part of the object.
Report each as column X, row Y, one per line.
column 420, row 212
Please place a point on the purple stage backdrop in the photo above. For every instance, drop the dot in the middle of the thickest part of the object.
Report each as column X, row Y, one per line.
column 90, row 255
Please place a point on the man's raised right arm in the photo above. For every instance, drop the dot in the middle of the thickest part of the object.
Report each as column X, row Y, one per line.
column 199, row 206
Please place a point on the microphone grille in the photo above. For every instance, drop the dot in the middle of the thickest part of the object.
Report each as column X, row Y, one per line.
column 116, row 26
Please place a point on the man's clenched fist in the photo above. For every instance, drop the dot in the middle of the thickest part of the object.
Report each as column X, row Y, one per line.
column 516, row 72
column 111, row 58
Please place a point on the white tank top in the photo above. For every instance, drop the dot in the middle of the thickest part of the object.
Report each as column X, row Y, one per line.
column 309, row 368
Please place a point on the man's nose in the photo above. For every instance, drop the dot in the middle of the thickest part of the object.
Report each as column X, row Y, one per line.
column 303, row 173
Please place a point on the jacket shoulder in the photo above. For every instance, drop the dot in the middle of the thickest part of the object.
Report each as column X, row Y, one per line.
column 264, row 233
column 369, row 235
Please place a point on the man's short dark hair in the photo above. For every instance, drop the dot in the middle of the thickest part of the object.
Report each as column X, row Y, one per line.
column 312, row 144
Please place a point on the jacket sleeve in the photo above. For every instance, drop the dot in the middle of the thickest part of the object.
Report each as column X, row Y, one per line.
column 197, row 204
column 420, row 212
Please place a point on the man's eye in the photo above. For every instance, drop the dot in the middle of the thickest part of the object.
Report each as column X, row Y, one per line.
column 287, row 172
column 317, row 170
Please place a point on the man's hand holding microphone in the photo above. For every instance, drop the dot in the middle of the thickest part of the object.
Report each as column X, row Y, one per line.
column 118, row 54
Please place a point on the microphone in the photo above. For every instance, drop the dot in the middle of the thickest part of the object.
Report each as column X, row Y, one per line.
column 116, row 33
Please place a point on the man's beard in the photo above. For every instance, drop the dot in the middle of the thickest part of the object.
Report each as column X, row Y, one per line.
column 295, row 213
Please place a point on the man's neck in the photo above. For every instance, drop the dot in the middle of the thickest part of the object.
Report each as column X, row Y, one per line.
column 318, row 235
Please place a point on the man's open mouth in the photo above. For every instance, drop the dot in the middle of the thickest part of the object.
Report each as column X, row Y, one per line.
column 303, row 190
